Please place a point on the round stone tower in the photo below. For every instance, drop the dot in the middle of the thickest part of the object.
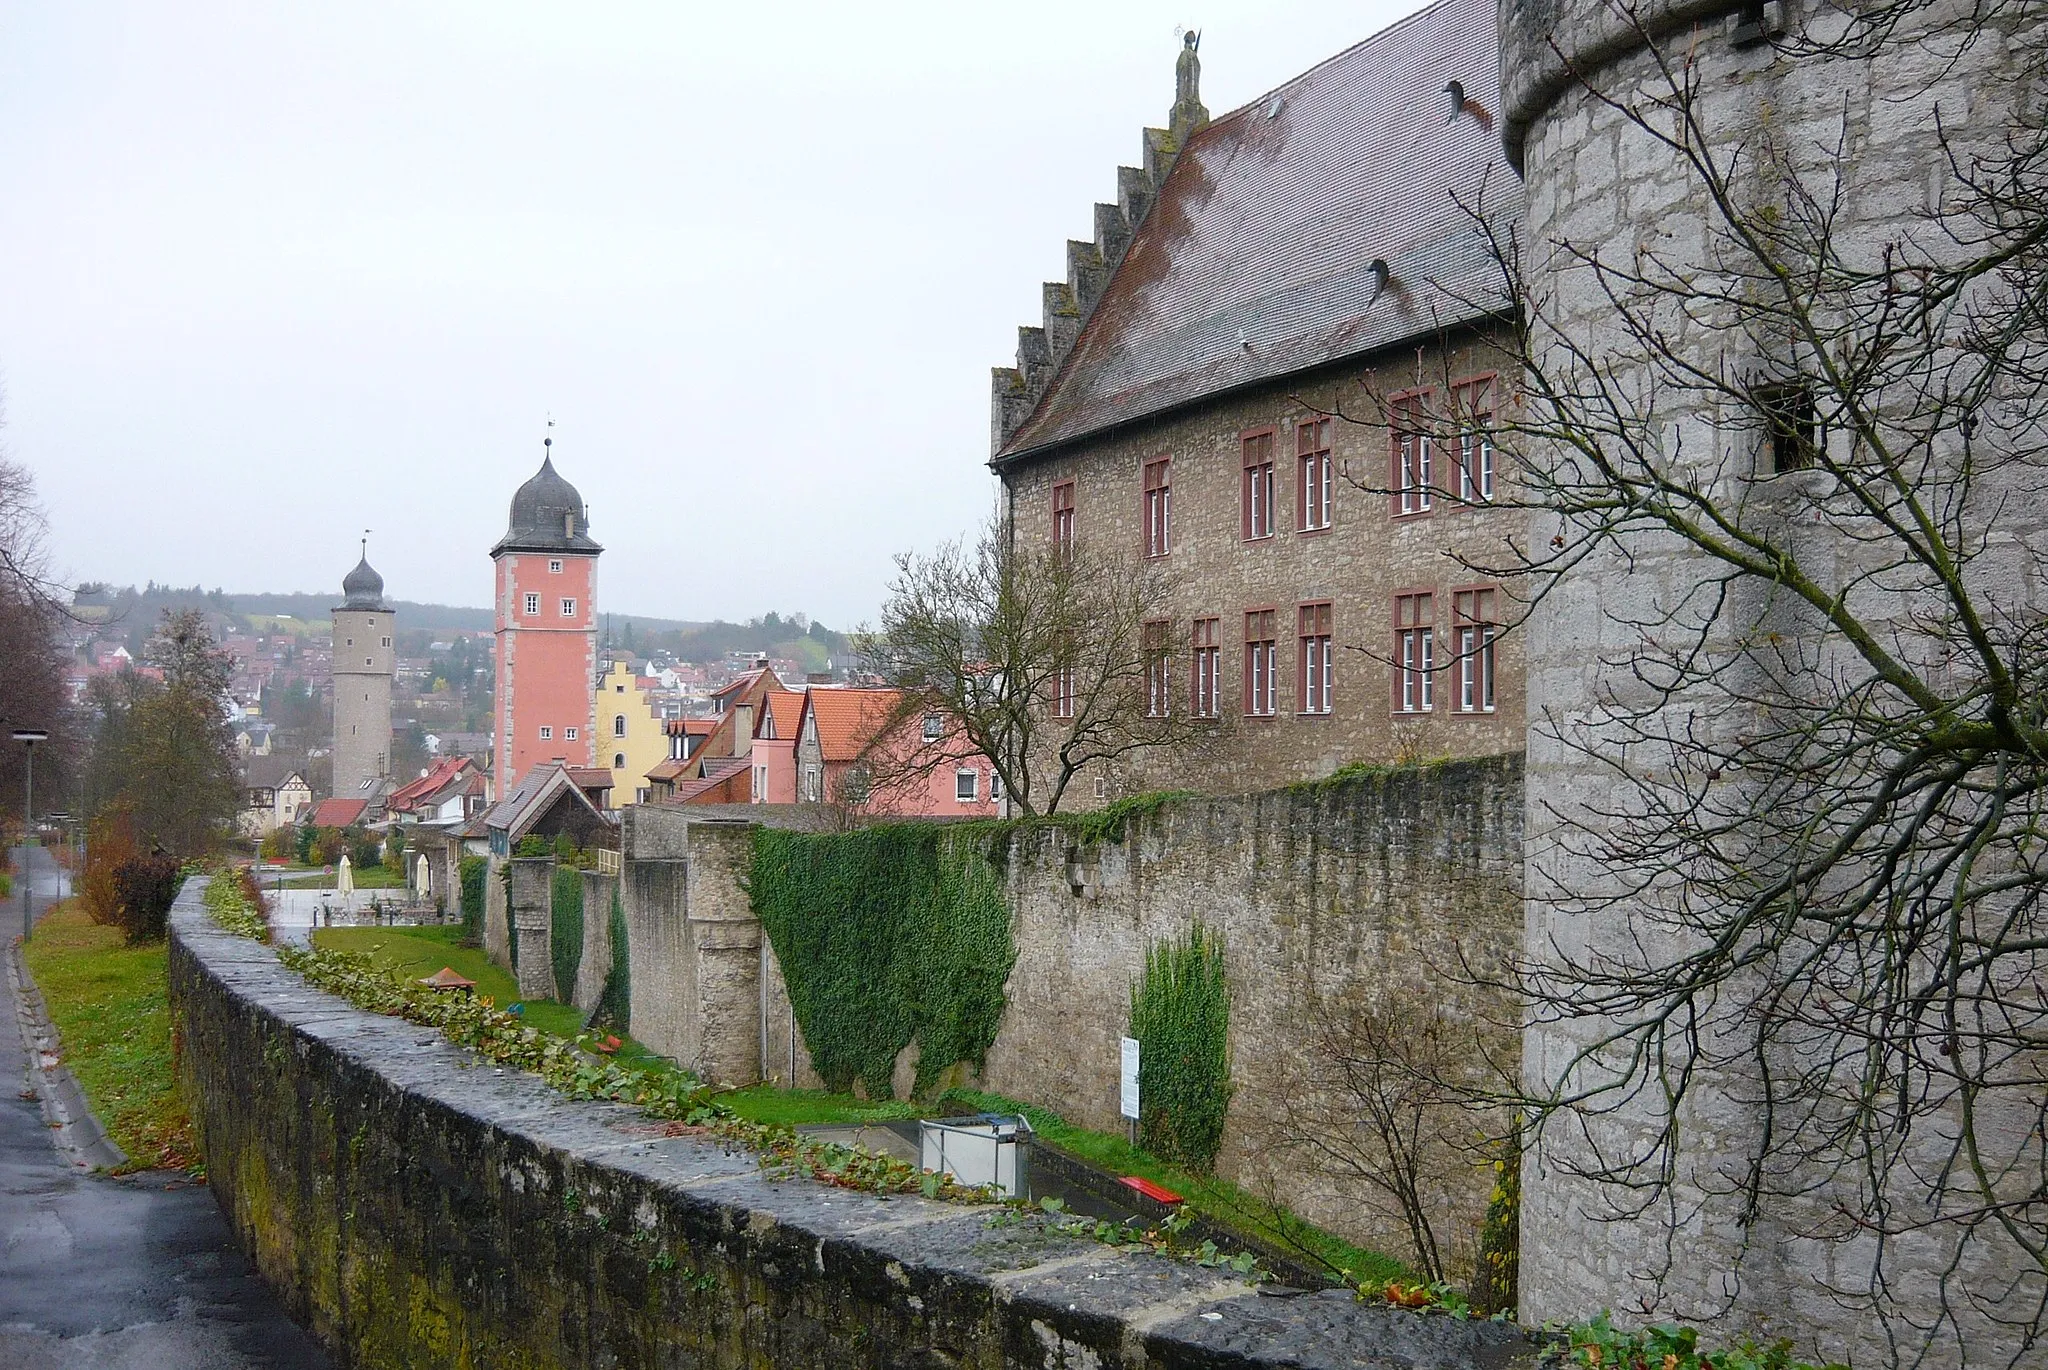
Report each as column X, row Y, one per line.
column 1591, row 92
column 546, row 571
column 364, row 664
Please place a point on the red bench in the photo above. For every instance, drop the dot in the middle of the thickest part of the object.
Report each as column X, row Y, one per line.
column 1158, row 1192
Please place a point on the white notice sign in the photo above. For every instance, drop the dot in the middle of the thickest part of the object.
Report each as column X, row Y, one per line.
column 1130, row 1077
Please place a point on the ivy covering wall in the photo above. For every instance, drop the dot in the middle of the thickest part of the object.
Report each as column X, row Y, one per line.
column 614, row 1004
column 471, row 871
column 887, row 936
column 1180, row 1014
column 565, row 934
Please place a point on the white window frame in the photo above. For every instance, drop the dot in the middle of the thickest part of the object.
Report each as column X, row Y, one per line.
column 555, row 566
column 568, row 607
column 967, row 786
column 533, row 606
column 569, row 733
column 547, row 732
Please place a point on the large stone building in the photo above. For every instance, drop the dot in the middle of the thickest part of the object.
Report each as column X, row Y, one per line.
column 1274, row 373
column 363, row 666
column 546, row 576
column 1736, row 215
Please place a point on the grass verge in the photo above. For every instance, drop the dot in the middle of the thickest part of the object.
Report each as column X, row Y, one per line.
column 110, row 1004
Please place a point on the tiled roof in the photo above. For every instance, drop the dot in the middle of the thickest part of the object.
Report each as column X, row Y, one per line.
column 270, row 771
column 726, row 780
column 1256, row 262
column 786, row 708
column 667, row 770
column 338, row 813
column 847, row 720
column 591, row 777
column 437, row 776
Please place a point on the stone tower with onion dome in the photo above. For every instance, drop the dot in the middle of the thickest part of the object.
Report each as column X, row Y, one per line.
column 364, row 662
column 546, row 580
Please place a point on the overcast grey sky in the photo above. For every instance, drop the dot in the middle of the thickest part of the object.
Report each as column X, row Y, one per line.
column 273, row 274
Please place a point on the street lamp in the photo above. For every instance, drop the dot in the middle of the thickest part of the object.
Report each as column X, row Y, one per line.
column 28, row 737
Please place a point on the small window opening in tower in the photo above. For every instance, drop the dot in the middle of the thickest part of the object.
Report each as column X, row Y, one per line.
column 1791, row 426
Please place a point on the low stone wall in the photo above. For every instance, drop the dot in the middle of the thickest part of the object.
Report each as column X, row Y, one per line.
column 414, row 1205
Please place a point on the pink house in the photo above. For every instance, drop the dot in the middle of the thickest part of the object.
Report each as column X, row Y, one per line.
column 837, row 755
column 774, row 751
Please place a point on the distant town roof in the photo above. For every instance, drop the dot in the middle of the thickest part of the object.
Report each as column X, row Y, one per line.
column 547, row 516
column 338, row 813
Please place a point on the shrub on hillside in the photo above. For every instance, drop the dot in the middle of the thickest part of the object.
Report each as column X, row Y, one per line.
column 144, row 887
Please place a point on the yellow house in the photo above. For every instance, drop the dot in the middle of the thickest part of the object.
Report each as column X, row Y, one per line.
column 630, row 740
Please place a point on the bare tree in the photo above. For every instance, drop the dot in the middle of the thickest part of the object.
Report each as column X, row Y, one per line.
column 1786, row 472
column 1042, row 661
column 32, row 693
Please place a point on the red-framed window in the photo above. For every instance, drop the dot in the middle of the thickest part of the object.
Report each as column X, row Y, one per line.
column 1261, row 661
column 1063, row 518
column 1472, row 403
column 1318, row 481
column 1257, row 489
column 1412, row 479
column 1158, row 508
column 1474, row 625
column 1318, row 668
column 1158, row 667
column 1205, row 651
column 1414, row 652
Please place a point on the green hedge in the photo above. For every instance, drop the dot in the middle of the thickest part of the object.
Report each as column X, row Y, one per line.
column 886, row 936
column 565, row 934
column 1180, row 1014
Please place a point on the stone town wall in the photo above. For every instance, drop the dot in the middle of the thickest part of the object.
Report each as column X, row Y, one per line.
column 414, row 1206
column 693, row 945
column 1609, row 190
column 595, row 964
column 1336, row 900
column 1366, row 895
column 1365, row 557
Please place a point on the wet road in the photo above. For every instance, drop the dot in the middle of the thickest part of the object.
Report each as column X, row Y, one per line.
column 104, row 1274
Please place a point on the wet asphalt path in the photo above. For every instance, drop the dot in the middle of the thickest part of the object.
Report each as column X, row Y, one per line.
column 104, row 1274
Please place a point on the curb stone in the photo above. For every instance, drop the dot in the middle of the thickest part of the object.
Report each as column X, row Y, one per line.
column 76, row 1130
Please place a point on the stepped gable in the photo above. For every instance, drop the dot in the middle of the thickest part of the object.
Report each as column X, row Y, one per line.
column 1316, row 223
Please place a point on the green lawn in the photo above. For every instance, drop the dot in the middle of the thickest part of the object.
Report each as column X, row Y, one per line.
column 110, row 1005
column 367, row 878
column 418, row 952
column 803, row 1107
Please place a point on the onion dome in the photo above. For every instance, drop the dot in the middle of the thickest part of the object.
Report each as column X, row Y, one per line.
column 362, row 588
column 547, row 516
